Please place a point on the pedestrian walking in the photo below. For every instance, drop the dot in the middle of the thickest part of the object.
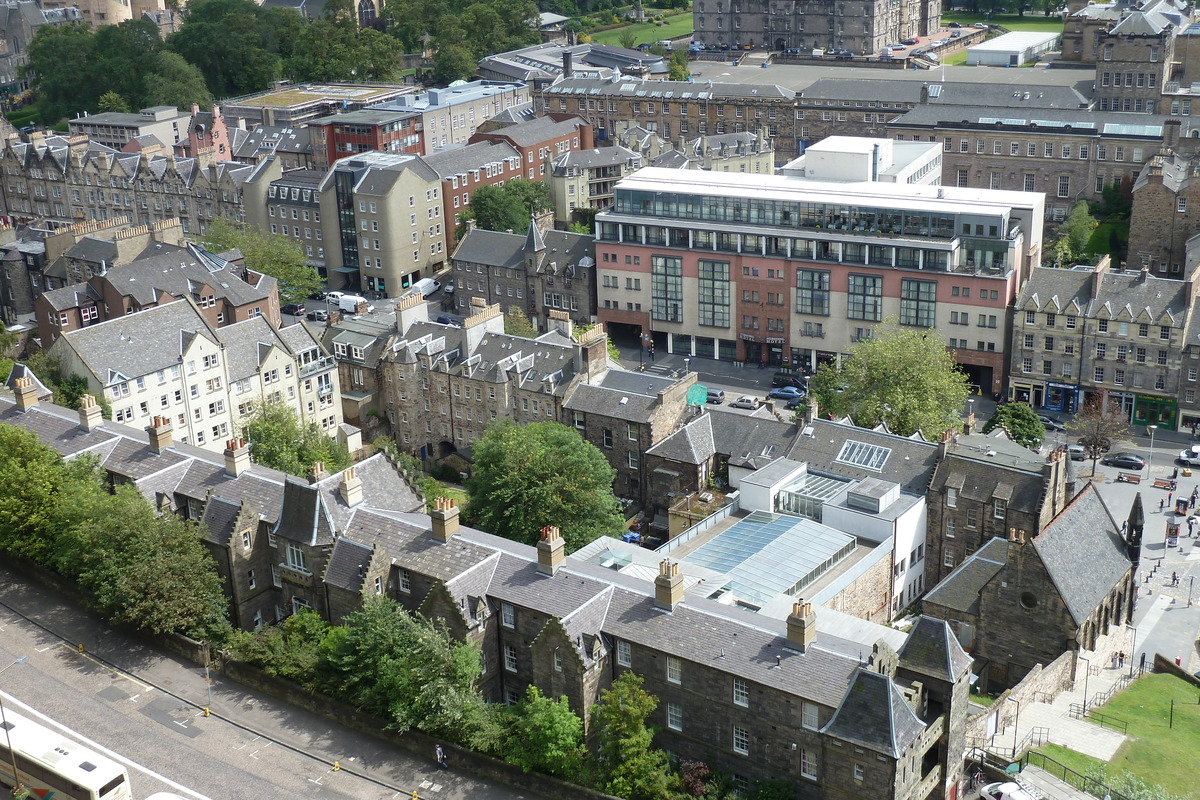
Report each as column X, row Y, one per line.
column 1121, row 659
column 1161, row 503
column 440, row 754
column 1169, row 496
column 1123, row 524
column 1174, row 578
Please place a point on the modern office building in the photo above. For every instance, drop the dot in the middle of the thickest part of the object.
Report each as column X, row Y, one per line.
column 784, row 270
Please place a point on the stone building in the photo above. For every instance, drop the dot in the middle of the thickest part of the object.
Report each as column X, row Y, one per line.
column 288, row 204
column 583, row 181
column 564, row 624
column 833, row 24
column 662, row 108
column 1026, row 598
column 1076, row 331
column 982, row 487
column 1166, row 214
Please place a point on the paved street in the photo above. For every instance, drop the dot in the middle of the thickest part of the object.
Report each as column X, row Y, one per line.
column 146, row 707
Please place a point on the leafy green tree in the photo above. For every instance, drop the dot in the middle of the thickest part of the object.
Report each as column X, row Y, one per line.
column 679, row 69
column 111, row 101
column 1099, row 423
column 528, row 477
column 328, row 51
column 236, row 45
column 626, row 762
column 33, row 476
column 516, row 323
column 452, row 62
column 125, row 55
column 1020, row 421
column 293, row 650
column 1073, row 235
column 68, row 389
column 627, row 38
column 508, row 207
column 904, row 377
column 61, row 68
column 268, row 253
column 390, row 663
column 545, row 736
column 175, row 82
column 280, row 440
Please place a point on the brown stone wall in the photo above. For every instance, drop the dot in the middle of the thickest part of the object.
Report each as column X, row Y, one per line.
column 869, row 596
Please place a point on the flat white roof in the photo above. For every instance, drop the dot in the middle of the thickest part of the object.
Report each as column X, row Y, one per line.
column 912, row 197
column 1014, row 42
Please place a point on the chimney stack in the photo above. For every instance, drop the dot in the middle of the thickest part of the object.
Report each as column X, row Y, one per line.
column 237, row 457
column 801, row 625
column 318, row 473
column 27, row 395
column 160, row 434
column 351, row 488
column 668, row 586
column 90, row 416
column 551, row 550
column 444, row 518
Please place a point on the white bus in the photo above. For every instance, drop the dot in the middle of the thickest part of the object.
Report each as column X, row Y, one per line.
column 55, row 768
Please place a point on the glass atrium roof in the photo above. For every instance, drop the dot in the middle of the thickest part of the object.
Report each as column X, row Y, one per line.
column 765, row 555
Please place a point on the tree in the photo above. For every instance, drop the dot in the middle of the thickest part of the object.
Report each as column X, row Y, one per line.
column 175, row 82
column 626, row 763
column 268, row 253
column 33, row 478
column 627, row 38
column 905, row 378
column 509, row 207
column 236, row 45
column 679, row 69
column 68, row 389
column 111, row 101
column 1098, row 424
column 1020, row 422
column 516, row 323
column 61, row 68
column 528, row 477
column 545, row 735
column 280, row 440
column 390, row 663
column 1074, row 234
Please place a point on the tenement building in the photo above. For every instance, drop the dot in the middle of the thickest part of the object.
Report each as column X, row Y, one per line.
column 842, row 712
column 836, row 24
column 790, row 270
column 1079, row 330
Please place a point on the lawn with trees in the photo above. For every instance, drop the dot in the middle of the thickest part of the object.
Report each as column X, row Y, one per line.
column 269, row 253
column 903, row 376
column 530, row 476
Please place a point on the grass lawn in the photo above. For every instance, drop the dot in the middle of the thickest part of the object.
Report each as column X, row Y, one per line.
column 1029, row 22
column 678, row 25
column 1155, row 752
column 954, row 59
column 457, row 495
column 1077, row 761
column 1100, row 238
column 982, row 699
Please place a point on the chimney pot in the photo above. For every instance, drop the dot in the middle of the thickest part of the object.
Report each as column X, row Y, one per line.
column 160, row 434
column 26, row 393
column 551, row 550
column 90, row 416
column 668, row 586
column 801, row 625
column 237, row 457
column 444, row 519
column 352, row 487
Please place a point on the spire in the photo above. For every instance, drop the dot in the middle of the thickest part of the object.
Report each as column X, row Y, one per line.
column 1134, row 527
column 533, row 239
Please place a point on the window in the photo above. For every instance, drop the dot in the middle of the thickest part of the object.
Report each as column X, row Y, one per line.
column 812, row 292
column 510, row 658
column 624, row 654
column 741, row 692
column 507, row 615
column 558, row 662
column 714, row 293
column 808, row 764
column 295, row 557
column 859, row 772
column 810, row 716
column 675, row 716
column 999, row 508
column 951, row 498
column 741, row 741
column 405, row 581
column 918, row 302
column 251, row 580
column 1064, row 185
column 674, row 669
column 666, row 287
column 865, row 298
column 633, row 459
column 948, row 558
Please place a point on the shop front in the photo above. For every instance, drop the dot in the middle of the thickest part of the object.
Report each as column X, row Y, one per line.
column 1027, row 391
column 1160, row 411
column 1061, row 397
column 775, row 350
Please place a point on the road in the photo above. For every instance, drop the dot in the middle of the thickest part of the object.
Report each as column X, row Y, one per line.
column 144, row 708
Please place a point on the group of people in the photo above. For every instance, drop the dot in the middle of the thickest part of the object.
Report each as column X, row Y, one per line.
column 1118, row 660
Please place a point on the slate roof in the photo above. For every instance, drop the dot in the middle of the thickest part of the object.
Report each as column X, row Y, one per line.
column 932, row 649
column 491, row 248
column 1141, row 297
column 346, row 563
column 462, row 160
column 527, row 133
column 138, row 344
column 220, row 515
column 598, row 157
column 875, row 715
column 1054, row 290
column 383, row 490
column 626, row 406
column 691, row 444
column 996, row 95
column 1084, row 553
column 982, row 467
column 961, row 589
column 1140, row 127
column 305, row 518
column 911, row 462
column 751, row 441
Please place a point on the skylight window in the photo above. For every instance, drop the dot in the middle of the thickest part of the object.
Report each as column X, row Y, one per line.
column 866, row 456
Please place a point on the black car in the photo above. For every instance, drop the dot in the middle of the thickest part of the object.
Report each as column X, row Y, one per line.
column 780, row 379
column 1124, row 461
column 910, row 41
column 295, row 309
column 954, row 25
column 1092, row 443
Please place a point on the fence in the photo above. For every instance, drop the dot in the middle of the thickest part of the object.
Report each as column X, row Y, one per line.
column 1035, row 738
column 1070, row 776
column 1100, row 698
column 1079, row 711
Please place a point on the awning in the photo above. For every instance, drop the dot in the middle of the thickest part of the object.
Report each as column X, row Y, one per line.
column 349, row 270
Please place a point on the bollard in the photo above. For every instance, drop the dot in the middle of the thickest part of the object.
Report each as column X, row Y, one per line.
column 206, row 711
column 337, row 765
column 415, row 796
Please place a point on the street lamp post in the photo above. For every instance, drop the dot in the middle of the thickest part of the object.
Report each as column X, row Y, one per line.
column 18, row 790
column 1133, row 652
column 1016, row 724
column 1086, row 675
column 1150, row 460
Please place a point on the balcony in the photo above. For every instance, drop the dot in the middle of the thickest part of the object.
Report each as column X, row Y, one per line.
column 295, row 575
column 320, row 365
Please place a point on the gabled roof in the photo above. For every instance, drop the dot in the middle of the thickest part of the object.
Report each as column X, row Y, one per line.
column 961, row 589
column 931, row 649
column 347, row 564
column 305, row 519
column 691, row 444
column 875, row 715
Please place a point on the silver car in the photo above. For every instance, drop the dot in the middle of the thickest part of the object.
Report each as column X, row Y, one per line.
column 1191, row 456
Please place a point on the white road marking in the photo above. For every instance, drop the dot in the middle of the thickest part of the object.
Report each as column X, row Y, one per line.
column 101, row 748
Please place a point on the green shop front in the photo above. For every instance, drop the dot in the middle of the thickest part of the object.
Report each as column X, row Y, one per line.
column 1160, row 411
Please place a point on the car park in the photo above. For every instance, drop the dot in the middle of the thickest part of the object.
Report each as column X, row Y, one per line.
column 318, row 315
column 715, row 396
column 786, row 393
column 746, row 401
column 1190, row 456
column 1124, row 461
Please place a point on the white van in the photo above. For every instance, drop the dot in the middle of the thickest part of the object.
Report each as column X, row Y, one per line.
column 425, row 286
column 348, row 303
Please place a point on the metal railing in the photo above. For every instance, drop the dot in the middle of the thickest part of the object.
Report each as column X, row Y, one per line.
column 1070, row 776
column 1036, row 737
column 1077, row 711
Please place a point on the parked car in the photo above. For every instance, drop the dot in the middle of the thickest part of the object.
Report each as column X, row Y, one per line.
column 789, row 379
column 1092, row 443
column 334, row 297
column 295, row 309
column 1076, row 452
column 1051, row 423
column 318, row 315
column 446, row 319
column 1191, row 456
column 910, row 41
column 1124, row 461
column 954, row 25
column 792, row 51
column 786, row 393
column 1004, row 791
column 796, row 402
column 746, row 401
column 845, row 54
column 715, row 396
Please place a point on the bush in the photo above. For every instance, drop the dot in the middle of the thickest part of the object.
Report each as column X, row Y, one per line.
column 445, row 472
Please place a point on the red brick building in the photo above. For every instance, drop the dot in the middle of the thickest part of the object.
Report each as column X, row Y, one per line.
column 390, row 131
